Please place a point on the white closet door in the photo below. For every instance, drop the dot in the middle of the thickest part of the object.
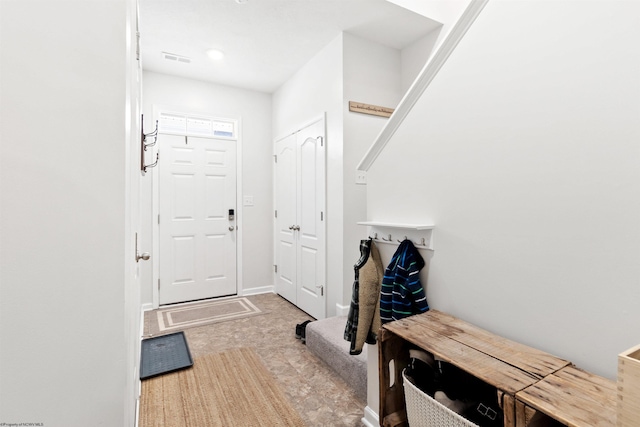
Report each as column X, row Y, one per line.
column 300, row 222
column 310, row 214
column 286, row 196
column 197, row 237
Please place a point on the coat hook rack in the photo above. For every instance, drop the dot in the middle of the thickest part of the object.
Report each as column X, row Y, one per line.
column 144, row 145
column 421, row 235
column 152, row 165
column 153, row 135
column 422, row 241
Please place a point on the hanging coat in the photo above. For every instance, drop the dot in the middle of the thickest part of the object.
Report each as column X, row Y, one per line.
column 402, row 294
column 370, row 280
column 351, row 327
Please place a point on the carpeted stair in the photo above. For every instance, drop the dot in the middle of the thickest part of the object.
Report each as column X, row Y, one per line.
column 324, row 338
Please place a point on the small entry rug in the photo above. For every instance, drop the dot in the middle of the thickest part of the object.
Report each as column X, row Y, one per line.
column 226, row 389
column 197, row 314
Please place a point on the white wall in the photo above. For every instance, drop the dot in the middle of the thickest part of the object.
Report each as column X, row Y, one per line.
column 372, row 74
column 64, row 345
column 316, row 89
column 254, row 110
column 447, row 12
column 524, row 153
column 415, row 56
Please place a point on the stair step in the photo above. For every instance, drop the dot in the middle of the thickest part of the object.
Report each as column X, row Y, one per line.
column 324, row 338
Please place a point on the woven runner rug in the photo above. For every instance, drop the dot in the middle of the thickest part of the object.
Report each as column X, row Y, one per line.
column 226, row 389
column 180, row 317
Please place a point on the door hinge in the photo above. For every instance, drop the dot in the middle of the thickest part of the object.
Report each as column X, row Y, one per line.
column 276, row 213
column 158, row 218
column 275, row 158
column 321, row 216
column 275, row 268
column 158, row 284
column 321, row 139
column 137, row 45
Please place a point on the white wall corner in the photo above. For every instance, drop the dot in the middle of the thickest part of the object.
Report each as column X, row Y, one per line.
column 146, row 307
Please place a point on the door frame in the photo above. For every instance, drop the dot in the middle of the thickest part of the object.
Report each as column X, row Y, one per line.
column 132, row 219
column 155, row 208
column 295, row 129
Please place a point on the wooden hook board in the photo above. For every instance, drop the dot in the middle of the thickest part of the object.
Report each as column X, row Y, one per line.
column 375, row 110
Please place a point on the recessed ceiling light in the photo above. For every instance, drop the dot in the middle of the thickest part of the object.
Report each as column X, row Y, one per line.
column 242, row 1
column 215, row 54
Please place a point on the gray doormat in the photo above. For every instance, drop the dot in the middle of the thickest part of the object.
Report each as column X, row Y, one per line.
column 164, row 354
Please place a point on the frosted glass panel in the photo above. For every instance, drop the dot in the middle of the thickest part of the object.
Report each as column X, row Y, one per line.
column 198, row 126
column 172, row 123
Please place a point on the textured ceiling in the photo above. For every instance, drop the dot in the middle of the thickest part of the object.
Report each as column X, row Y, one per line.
column 264, row 41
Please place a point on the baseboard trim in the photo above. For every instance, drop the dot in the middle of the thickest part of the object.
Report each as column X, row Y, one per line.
column 370, row 419
column 259, row 290
column 146, row 307
column 342, row 310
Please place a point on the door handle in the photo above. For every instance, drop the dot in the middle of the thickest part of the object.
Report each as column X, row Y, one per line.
column 291, row 227
column 297, row 228
column 144, row 256
column 231, row 228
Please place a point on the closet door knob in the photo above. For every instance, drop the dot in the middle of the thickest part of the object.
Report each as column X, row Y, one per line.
column 144, row 256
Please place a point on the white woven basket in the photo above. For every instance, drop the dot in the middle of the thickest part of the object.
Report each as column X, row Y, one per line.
column 424, row 411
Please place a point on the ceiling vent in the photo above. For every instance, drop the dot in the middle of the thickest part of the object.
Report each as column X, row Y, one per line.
column 177, row 58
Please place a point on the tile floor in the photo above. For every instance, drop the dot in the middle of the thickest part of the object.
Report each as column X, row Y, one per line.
column 320, row 396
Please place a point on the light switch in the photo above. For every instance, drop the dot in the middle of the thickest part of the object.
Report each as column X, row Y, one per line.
column 361, row 177
column 248, row 201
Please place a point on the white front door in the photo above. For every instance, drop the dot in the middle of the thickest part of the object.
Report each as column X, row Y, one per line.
column 197, row 193
column 300, row 223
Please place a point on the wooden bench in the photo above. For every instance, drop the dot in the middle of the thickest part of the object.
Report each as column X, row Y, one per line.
column 535, row 389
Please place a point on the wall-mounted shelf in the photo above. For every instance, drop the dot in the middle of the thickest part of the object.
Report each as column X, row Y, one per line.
column 393, row 233
column 397, row 225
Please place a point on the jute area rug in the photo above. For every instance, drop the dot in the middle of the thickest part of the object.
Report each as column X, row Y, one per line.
column 226, row 389
column 180, row 317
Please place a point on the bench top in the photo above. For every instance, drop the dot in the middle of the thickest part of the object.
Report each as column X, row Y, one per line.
column 574, row 397
column 507, row 365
